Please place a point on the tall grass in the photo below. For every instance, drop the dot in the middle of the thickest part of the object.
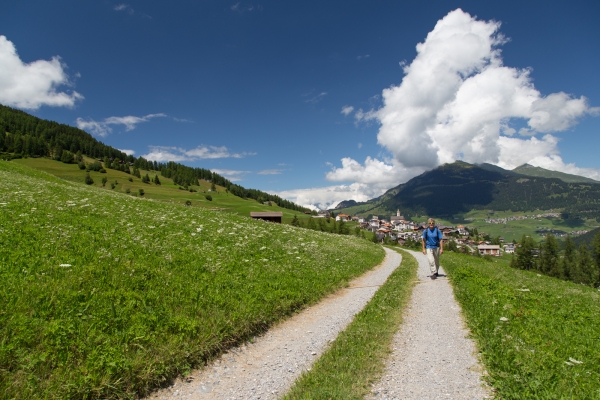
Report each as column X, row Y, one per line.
column 106, row 296
column 539, row 336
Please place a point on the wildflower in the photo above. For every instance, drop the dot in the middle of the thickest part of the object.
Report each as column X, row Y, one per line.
column 503, row 319
column 574, row 361
column 64, row 265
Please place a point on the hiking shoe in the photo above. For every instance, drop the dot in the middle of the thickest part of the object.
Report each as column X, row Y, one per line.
column 433, row 276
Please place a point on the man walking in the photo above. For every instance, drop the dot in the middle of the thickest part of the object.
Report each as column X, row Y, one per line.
column 433, row 246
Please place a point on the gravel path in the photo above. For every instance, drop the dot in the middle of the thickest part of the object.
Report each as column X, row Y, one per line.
column 267, row 368
column 432, row 357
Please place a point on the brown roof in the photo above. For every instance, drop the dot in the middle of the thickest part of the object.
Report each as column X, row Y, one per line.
column 266, row 214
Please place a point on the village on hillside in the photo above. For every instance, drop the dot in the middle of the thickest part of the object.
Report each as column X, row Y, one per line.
column 397, row 228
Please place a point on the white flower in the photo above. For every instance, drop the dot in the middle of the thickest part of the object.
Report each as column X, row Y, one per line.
column 574, row 361
column 503, row 319
column 64, row 265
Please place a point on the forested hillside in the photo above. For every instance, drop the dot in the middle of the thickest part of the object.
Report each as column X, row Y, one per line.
column 22, row 134
column 459, row 187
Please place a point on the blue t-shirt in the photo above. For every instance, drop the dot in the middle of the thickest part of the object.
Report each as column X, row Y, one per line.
column 432, row 237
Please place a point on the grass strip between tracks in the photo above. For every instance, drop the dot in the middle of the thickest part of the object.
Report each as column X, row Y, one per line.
column 356, row 358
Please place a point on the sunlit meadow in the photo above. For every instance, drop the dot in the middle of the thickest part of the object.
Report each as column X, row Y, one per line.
column 539, row 336
column 106, row 295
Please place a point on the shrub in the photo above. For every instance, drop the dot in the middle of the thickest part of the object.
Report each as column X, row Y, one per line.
column 81, row 165
column 130, row 179
column 127, row 190
column 188, row 203
column 88, row 179
column 141, row 192
column 104, row 180
column 208, row 197
column 67, row 157
column 95, row 166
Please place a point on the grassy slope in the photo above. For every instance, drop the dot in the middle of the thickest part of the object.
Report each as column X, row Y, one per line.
column 107, row 295
column 357, row 356
column 167, row 191
column 530, row 170
column 516, row 229
column 551, row 322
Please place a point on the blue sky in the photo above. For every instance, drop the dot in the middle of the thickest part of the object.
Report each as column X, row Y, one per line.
column 315, row 101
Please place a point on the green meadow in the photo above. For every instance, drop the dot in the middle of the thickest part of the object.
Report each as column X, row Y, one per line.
column 108, row 295
column 167, row 191
column 539, row 337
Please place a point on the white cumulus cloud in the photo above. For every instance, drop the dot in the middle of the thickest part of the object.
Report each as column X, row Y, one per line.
column 328, row 197
column 103, row 128
column 30, row 86
column 178, row 154
column 346, row 110
column 231, row 174
column 458, row 101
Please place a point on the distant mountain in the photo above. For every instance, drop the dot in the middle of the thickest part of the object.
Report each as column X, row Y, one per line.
column 530, row 170
column 346, row 204
column 456, row 188
column 494, row 168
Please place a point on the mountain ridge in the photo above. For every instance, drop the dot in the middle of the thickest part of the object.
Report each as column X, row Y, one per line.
column 456, row 188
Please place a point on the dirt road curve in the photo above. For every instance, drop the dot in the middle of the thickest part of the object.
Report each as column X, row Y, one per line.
column 268, row 367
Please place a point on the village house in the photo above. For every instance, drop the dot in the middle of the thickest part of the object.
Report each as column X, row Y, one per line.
column 342, row 217
column 374, row 223
column 509, row 248
column 489, row 249
column 322, row 214
column 462, row 231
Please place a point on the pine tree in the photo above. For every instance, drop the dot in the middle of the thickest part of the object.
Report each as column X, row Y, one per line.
column 549, row 264
column 524, row 253
column 156, row 180
column 596, row 250
column 146, row 179
column 213, row 188
column 569, row 258
column 295, row 221
column 321, row 225
column 343, row 228
column 311, row 224
column 375, row 239
column 88, row 179
column 584, row 270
